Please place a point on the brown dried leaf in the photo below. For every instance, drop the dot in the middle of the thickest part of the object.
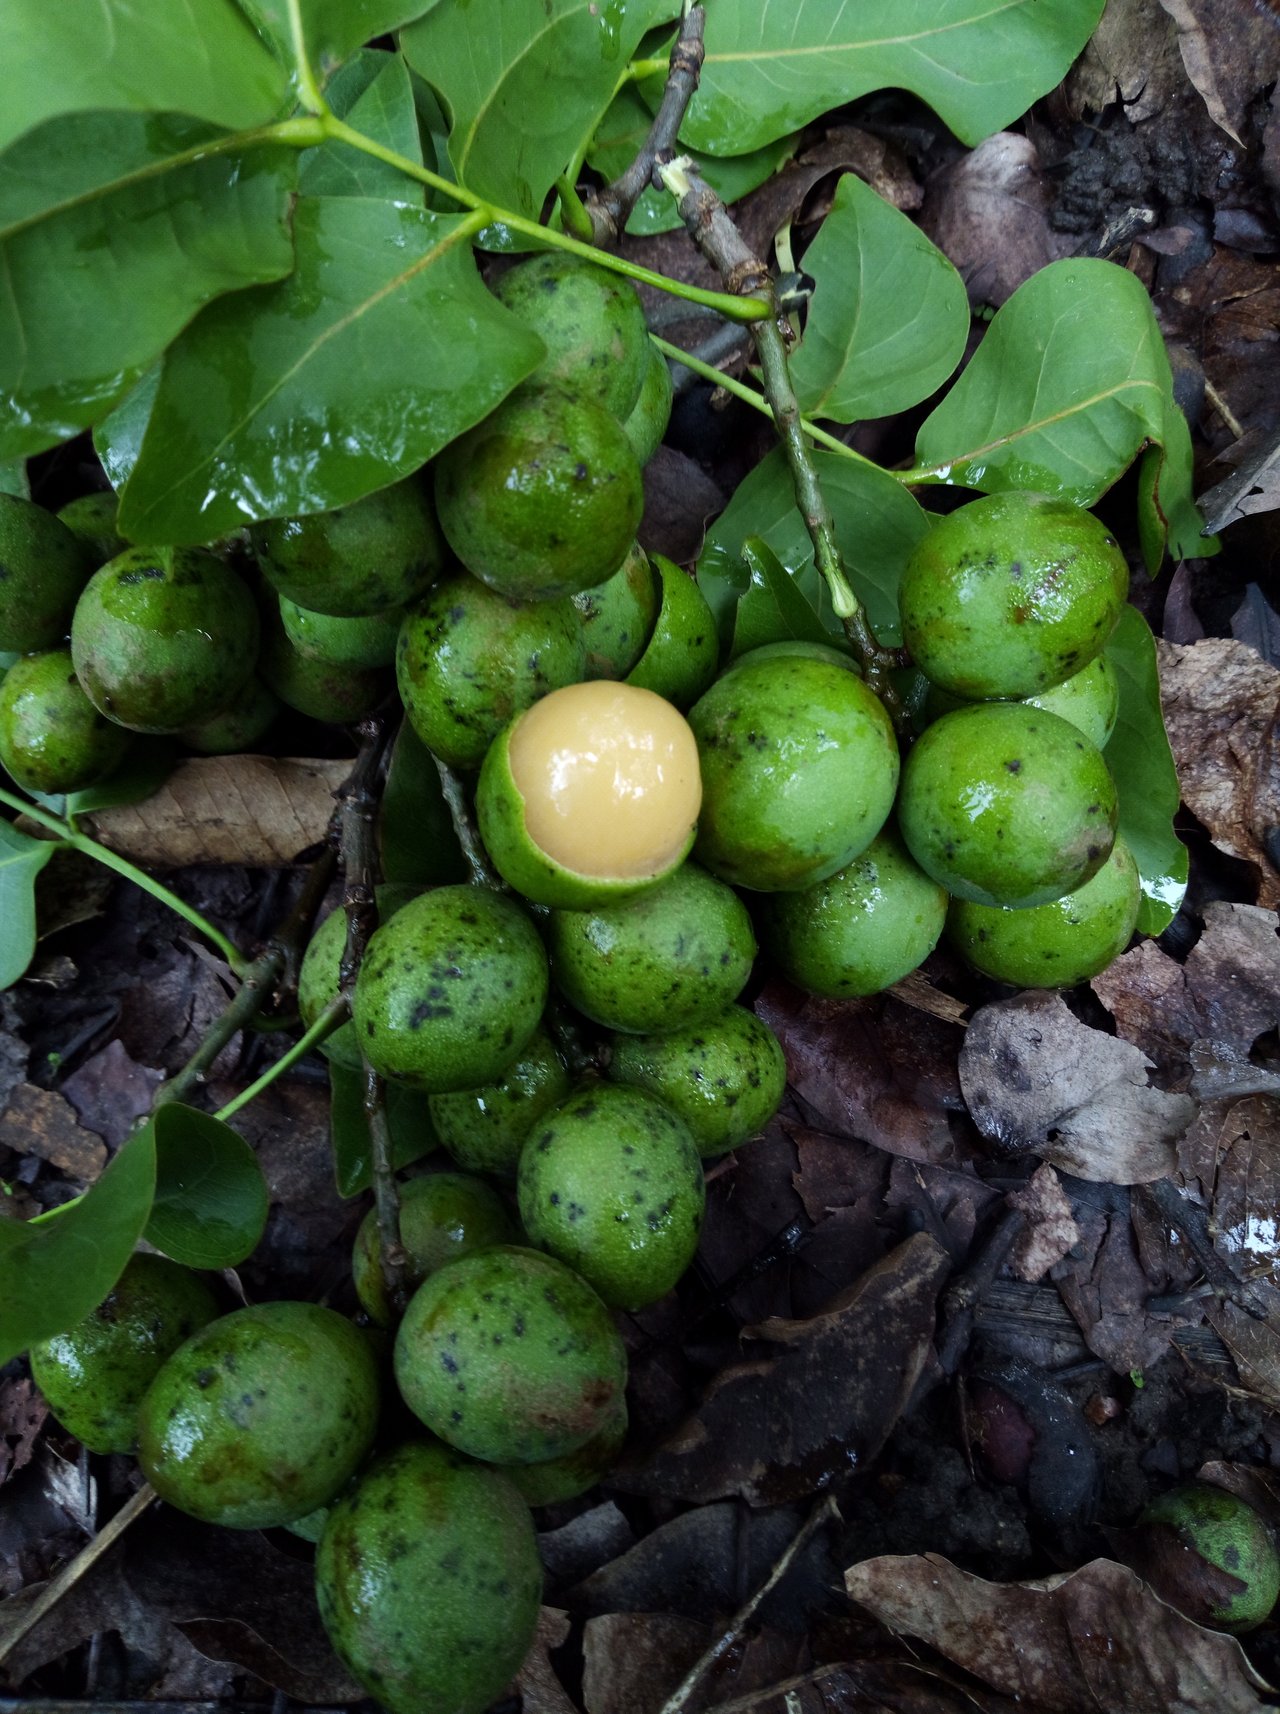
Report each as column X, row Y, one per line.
column 1051, row 1229
column 22, row 1416
column 1231, row 50
column 1094, row 1638
column 633, row 1661
column 1133, row 56
column 1254, row 1345
column 111, row 1092
column 541, row 1691
column 42, row 1122
column 988, row 212
column 680, row 499
column 1253, row 485
column 1106, row 1288
column 1246, row 1189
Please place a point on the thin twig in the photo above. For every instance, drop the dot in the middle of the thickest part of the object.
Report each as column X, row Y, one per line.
column 483, row 873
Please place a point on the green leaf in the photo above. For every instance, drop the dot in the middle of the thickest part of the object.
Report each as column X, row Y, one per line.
column 55, row 1271
column 117, row 439
column 21, row 860
column 526, row 83
column 332, row 30
column 380, row 348
column 978, row 63
column 413, row 1134
column 889, row 316
column 1070, row 382
column 140, row 776
column 877, row 524
column 416, row 841
column 13, row 478
column 114, row 230
column 623, row 130
column 1141, row 764
column 184, row 56
column 210, row 1203
column 372, row 92
column 772, row 608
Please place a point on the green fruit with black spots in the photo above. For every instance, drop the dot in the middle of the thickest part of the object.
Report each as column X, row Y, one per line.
column 484, row 1129
column 559, row 1479
column 1011, row 594
column 468, row 660
column 799, row 769
column 1006, row 805
column 318, row 974
column 52, row 738
column 510, row 1356
column 724, row 1078
column 591, row 322
column 650, row 416
column 239, row 728
column 92, row 518
column 94, row 1375
column 428, row 1581
column 451, row 990
column 1089, row 699
column 164, row 637
column 1057, row 945
column 862, row 929
column 543, row 497
column 358, row 560
column 617, row 616
column 1209, row 1554
column 322, row 690
column 43, row 568
column 679, row 660
column 443, row 1215
column 367, row 641
column 671, row 957
column 261, row 1416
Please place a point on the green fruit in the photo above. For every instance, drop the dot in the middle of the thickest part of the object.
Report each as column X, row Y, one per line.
column 510, row 1356
column 451, row 990
column 1010, row 594
column 724, row 1078
column 679, row 660
column 468, row 660
column 651, row 413
column 862, row 929
column 484, row 1129
column 592, row 794
column 261, row 1416
column 368, row 641
column 799, row 769
column 1199, row 1541
column 163, row 638
column 1089, row 699
column 52, row 738
column 558, row 1479
column 428, row 1581
column 443, row 1215
column 611, row 1183
column 671, row 957
column 94, row 1375
column 618, row 615
column 321, row 963
column 1058, row 944
column 92, row 518
column 43, row 568
column 239, row 728
column 358, row 560
column 1005, row 805
column 543, row 497
column 591, row 322
column 322, row 690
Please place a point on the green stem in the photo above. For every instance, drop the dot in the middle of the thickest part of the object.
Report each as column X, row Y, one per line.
column 308, row 88
column 333, row 1017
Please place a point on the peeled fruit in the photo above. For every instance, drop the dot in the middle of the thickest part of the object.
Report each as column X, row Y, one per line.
column 1011, row 594
column 443, row 1215
column 484, row 1129
column 94, row 1375
column 1006, row 805
column 318, row 977
column 591, row 794
column 1209, row 1554
column 611, row 1182
column 52, row 738
column 428, row 1581
column 617, row 616
column 43, row 567
column 591, row 322
column 261, row 1416
column 510, row 1356
column 679, row 660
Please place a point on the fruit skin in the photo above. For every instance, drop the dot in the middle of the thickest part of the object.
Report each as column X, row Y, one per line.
column 559, row 1479
column 591, row 322
column 92, row 519
column 1006, row 805
column 52, row 738
column 724, row 1078
column 510, row 1356
column 611, row 1182
column 674, row 956
column 650, row 416
column 484, row 1129
column 368, row 641
column 428, row 1581
column 451, row 989
column 543, row 497
column 443, row 1215
column 862, row 929
column 1211, row 1530
column 95, row 1374
column 1011, row 594
column 1089, row 699
column 357, row 560
column 679, row 660
column 238, row 728
column 322, row 690
column 318, row 973
column 261, row 1416
column 1058, row 944
column 799, row 769
column 617, row 616
column 468, row 660
column 43, row 568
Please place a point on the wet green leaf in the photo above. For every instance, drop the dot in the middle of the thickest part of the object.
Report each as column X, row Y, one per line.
column 117, row 439
column 416, row 840
column 210, row 1205
column 379, row 349
column 13, row 478
column 889, row 316
column 21, row 860
column 772, row 608
column 332, row 29
column 413, row 1134
column 372, row 92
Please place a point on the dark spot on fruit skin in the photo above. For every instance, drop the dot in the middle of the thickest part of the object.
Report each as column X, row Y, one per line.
column 425, row 1010
column 1014, row 767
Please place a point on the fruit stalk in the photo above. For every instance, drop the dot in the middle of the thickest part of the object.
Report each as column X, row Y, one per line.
column 483, row 873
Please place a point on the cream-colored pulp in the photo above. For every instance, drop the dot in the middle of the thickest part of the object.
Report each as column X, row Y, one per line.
column 609, row 777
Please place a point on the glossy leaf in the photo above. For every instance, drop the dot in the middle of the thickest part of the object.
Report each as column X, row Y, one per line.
column 412, row 1133
column 13, row 478
column 771, row 68
column 114, row 231
column 1141, row 763
column 210, row 1203
column 416, row 840
column 889, row 316
column 185, row 56
column 1071, row 381
column 772, row 607
column 21, row 860
column 526, row 83
column 332, row 29
column 117, row 439
column 372, row 92
column 379, row 349
column 55, row 1270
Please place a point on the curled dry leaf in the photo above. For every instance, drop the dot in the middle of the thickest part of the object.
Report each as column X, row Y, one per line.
column 988, row 213
column 1231, row 50
column 541, row 1691
column 1132, row 55
column 1253, row 484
